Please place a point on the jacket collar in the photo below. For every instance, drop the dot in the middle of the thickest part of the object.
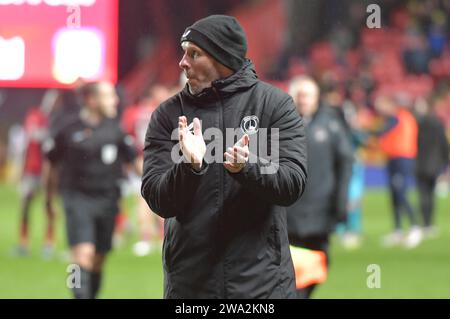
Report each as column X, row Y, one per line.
column 241, row 80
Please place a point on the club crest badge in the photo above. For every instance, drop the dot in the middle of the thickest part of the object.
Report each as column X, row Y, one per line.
column 250, row 125
column 320, row 135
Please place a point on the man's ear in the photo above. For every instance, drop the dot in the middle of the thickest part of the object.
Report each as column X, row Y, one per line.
column 223, row 70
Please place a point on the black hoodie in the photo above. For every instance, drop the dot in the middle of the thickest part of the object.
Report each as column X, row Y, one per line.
column 226, row 234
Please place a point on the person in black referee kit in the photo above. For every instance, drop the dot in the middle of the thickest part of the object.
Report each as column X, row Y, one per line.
column 225, row 224
column 89, row 151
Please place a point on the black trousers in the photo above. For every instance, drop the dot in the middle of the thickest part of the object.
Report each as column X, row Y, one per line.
column 400, row 170
column 425, row 187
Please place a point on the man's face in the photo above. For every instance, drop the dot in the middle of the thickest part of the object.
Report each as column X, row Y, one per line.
column 105, row 100
column 199, row 67
column 307, row 98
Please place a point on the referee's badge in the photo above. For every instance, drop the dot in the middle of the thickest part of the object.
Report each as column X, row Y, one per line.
column 48, row 145
column 109, row 153
column 250, row 125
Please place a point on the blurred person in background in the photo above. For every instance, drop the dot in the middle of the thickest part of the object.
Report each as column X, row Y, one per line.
column 225, row 226
column 357, row 117
column 398, row 141
column 3, row 161
column 88, row 152
column 36, row 127
column 349, row 113
column 135, row 122
column 15, row 153
column 313, row 218
column 432, row 160
column 416, row 54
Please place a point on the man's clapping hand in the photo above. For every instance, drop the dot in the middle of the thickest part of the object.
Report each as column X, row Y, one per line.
column 237, row 156
column 192, row 144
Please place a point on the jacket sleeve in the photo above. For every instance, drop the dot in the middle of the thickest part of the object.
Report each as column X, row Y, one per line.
column 167, row 186
column 343, row 162
column 283, row 180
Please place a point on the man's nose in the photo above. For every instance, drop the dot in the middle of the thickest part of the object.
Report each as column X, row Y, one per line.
column 183, row 63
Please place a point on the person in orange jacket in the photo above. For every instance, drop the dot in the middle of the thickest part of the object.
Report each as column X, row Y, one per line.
column 398, row 141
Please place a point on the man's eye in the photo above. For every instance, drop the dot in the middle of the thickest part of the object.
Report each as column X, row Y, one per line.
column 195, row 54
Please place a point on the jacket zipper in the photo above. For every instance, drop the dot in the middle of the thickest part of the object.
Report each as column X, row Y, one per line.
column 221, row 188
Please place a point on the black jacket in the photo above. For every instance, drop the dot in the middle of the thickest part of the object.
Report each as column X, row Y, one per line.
column 433, row 149
column 91, row 157
column 330, row 158
column 226, row 234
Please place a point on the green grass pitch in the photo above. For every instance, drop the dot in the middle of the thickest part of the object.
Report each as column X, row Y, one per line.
column 423, row 272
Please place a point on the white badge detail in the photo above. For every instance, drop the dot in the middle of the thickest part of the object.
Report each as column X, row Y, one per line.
column 320, row 135
column 109, row 153
column 48, row 145
column 250, row 125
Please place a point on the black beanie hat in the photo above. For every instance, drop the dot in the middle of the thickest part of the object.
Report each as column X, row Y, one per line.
column 222, row 37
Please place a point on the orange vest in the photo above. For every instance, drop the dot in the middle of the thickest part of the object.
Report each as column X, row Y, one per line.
column 401, row 141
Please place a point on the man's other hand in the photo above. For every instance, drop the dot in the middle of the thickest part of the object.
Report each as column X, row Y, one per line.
column 236, row 157
column 192, row 144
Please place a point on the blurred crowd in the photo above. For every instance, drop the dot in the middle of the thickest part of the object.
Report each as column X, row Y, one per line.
column 409, row 54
